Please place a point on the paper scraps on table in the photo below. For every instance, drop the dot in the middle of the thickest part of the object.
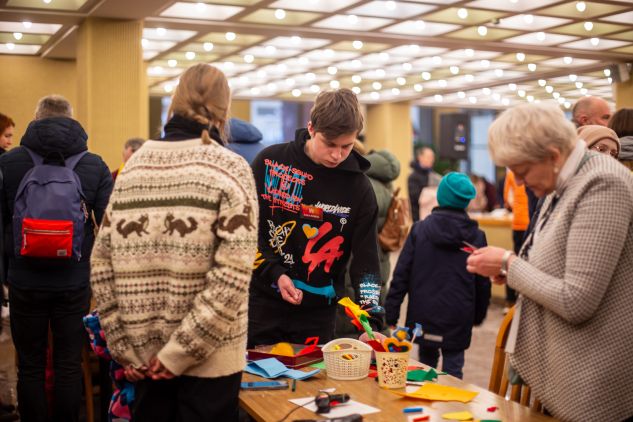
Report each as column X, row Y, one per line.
column 458, row 416
column 422, row 375
column 339, row 411
column 492, row 408
column 436, row 392
column 320, row 365
column 272, row 368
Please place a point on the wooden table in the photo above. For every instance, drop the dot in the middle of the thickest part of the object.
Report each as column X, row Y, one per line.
column 272, row 405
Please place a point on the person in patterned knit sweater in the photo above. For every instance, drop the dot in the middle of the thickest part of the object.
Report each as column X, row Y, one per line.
column 172, row 262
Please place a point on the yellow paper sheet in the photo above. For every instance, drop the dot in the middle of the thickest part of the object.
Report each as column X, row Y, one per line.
column 458, row 416
column 439, row 392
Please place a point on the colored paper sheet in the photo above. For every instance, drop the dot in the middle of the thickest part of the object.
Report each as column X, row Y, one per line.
column 458, row 416
column 320, row 365
column 422, row 375
column 272, row 368
column 489, row 420
column 340, row 411
column 436, row 392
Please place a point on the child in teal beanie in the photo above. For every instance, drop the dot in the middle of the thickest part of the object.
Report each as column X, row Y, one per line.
column 445, row 298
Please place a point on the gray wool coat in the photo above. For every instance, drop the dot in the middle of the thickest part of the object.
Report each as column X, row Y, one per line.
column 574, row 345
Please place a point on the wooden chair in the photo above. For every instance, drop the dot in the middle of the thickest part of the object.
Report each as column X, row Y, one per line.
column 498, row 375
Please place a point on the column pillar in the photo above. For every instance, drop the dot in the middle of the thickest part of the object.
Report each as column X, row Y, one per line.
column 241, row 109
column 112, row 101
column 388, row 126
column 623, row 94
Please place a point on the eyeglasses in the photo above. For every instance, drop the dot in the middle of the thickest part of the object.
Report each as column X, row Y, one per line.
column 604, row 149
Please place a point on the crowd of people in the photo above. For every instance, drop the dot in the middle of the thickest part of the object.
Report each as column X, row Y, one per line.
column 196, row 248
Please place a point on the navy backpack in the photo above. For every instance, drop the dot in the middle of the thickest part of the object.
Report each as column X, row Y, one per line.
column 50, row 211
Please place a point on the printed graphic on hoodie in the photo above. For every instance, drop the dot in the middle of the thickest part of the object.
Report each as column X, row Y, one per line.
column 283, row 186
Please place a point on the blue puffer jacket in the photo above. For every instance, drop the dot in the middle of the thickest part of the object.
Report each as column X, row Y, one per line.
column 55, row 135
column 445, row 298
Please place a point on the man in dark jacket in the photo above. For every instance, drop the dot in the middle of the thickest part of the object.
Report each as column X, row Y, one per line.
column 421, row 177
column 47, row 292
column 445, row 298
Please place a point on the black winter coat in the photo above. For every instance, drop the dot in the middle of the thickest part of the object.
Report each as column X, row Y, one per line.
column 50, row 137
column 445, row 298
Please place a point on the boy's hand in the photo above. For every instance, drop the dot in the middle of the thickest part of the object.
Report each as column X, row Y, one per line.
column 288, row 291
column 134, row 374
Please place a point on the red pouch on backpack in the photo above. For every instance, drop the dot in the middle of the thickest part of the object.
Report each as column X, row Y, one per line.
column 47, row 238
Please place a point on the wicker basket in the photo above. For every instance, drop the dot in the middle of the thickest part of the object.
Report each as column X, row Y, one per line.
column 347, row 359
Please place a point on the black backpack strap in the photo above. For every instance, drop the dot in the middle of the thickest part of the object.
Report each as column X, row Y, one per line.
column 72, row 161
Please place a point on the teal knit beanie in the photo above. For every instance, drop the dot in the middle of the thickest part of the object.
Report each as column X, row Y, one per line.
column 455, row 191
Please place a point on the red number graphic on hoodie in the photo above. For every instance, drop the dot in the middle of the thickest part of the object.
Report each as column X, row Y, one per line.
column 328, row 253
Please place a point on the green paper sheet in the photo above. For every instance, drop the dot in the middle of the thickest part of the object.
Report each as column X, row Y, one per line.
column 422, row 375
column 320, row 365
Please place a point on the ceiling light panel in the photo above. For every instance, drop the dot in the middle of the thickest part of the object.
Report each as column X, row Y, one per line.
column 398, row 10
column 471, row 55
column 598, row 29
column 330, row 55
column 35, row 28
column 32, row 39
column 271, row 52
column 155, row 45
column 240, row 39
column 477, row 65
column 52, row 5
column 421, row 28
column 201, row 11
column 300, row 43
column 312, row 5
column 220, row 49
column 360, row 23
column 474, row 17
column 567, row 10
column 586, row 44
column 19, row 49
column 268, row 16
column 537, row 22
column 624, row 36
column 417, row 51
column 511, row 6
column 626, row 18
column 560, row 62
column 367, row 47
column 167, row 34
column 534, row 39
column 492, row 34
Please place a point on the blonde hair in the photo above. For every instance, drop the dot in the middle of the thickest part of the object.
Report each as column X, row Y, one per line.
column 203, row 95
column 526, row 133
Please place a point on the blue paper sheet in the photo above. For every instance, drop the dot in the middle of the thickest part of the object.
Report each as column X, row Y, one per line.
column 273, row 368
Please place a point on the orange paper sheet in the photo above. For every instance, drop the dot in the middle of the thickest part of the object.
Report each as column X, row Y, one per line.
column 437, row 392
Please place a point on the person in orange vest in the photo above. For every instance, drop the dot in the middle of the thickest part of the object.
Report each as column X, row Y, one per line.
column 515, row 198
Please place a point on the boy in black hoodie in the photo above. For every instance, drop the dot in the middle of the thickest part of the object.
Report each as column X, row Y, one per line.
column 445, row 298
column 317, row 208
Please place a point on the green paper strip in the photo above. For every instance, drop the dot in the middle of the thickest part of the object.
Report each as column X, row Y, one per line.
column 320, row 365
column 365, row 323
column 422, row 375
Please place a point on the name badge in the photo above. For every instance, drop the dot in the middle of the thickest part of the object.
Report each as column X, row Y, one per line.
column 310, row 212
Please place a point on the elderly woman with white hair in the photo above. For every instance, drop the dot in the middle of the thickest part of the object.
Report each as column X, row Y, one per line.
column 572, row 334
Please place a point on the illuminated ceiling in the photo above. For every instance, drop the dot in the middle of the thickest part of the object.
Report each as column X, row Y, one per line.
column 482, row 53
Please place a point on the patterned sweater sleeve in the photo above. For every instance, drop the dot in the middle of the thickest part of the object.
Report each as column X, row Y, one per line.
column 102, row 281
column 211, row 322
column 589, row 267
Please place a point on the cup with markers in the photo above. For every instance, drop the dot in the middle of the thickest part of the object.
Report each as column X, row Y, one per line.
column 393, row 362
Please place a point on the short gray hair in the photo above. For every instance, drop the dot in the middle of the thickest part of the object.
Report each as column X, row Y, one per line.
column 525, row 132
column 53, row 106
column 134, row 143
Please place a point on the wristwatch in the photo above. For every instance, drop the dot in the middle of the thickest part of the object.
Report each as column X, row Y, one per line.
column 504, row 263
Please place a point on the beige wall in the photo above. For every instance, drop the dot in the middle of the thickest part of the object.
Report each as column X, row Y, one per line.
column 241, row 109
column 27, row 79
column 623, row 94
